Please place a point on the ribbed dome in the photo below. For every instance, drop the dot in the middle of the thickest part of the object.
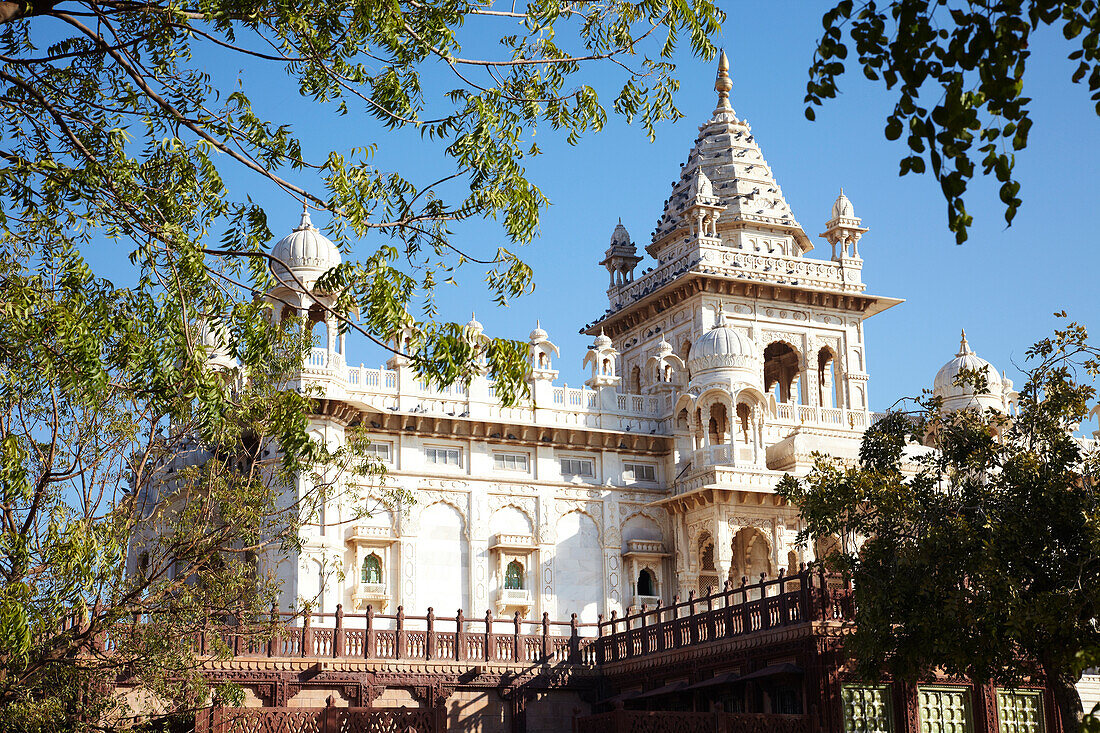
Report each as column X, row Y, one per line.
column 308, row 253
column 842, row 207
column 539, row 334
column 213, row 341
column 620, row 237
column 956, row 396
column 724, row 348
column 603, row 341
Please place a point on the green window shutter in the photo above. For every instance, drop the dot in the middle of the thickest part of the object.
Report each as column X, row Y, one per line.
column 944, row 709
column 867, row 709
column 1020, row 711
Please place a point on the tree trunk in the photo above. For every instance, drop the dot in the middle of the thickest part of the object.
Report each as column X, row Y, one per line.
column 1064, row 686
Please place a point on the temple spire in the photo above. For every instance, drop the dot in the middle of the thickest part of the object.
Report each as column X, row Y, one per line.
column 723, row 85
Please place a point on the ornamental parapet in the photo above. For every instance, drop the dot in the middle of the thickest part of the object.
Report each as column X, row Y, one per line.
column 711, row 256
column 399, row 391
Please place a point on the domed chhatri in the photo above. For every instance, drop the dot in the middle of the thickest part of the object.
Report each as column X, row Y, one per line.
column 724, row 353
column 539, row 334
column 842, row 207
column 306, row 252
column 962, row 396
column 212, row 339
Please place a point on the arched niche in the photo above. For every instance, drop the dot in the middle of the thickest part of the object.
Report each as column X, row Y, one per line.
column 442, row 560
column 578, row 568
column 751, row 555
column 782, row 372
column 510, row 520
column 828, row 384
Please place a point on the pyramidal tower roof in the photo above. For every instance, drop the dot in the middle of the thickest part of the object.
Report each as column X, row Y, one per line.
column 742, row 180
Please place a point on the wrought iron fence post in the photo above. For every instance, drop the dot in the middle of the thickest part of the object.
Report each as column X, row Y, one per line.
column 274, row 643
column 545, row 637
column 574, row 640
column 307, row 636
column 338, row 632
column 765, row 617
column 516, row 656
column 693, row 630
column 488, row 634
column 400, row 653
column 429, row 642
column 460, row 638
column 601, row 655
column 746, row 616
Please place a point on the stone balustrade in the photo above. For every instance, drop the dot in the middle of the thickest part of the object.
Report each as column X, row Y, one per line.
column 711, row 256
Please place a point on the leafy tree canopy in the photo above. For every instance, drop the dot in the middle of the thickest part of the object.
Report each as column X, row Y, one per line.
column 973, row 538
column 958, row 68
column 115, row 430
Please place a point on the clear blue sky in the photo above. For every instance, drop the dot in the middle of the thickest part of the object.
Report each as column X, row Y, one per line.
column 1002, row 285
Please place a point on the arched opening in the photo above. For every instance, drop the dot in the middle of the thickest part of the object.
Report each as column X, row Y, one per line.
column 685, row 351
column 513, row 576
column 606, row 366
column 781, row 372
column 647, row 584
column 718, row 424
column 318, row 336
column 543, row 362
column 635, row 386
column 751, row 555
column 828, row 389
column 371, row 570
column 744, row 413
column 708, row 573
column 682, row 421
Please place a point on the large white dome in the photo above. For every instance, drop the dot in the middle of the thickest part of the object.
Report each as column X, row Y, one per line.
column 308, row 253
column 727, row 350
column 957, row 397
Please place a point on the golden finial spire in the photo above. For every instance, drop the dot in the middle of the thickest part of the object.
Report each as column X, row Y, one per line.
column 722, row 84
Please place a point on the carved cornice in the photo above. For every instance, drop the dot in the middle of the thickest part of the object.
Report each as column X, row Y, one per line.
column 571, row 437
column 673, row 294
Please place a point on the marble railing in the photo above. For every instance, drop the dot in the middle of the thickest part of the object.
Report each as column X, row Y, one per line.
column 707, row 254
column 566, row 406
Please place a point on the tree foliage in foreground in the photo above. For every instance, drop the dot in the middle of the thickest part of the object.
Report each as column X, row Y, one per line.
column 958, row 68
column 123, row 133
column 982, row 549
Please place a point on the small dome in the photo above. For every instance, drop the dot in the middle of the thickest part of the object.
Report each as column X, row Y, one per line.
column 212, row 340
column 664, row 348
column 308, row 253
column 957, row 396
column 473, row 327
column 620, row 237
column 539, row 335
column 725, row 348
column 842, row 207
column 703, row 187
column 602, row 341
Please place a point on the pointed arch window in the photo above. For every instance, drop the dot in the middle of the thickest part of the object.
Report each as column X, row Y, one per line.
column 371, row 572
column 647, row 585
column 513, row 576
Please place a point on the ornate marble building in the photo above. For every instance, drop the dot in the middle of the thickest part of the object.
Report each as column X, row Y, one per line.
column 713, row 373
